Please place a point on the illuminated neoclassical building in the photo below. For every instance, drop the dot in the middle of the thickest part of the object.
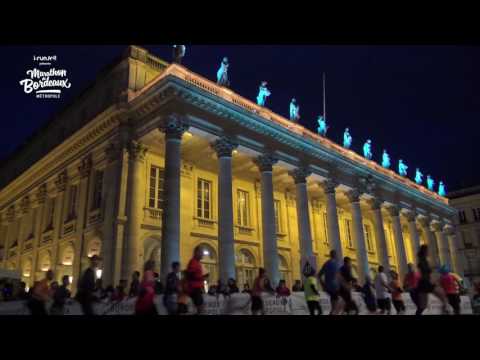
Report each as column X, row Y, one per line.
column 154, row 159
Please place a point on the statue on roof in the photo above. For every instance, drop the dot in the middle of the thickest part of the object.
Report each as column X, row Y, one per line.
column 322, row 126
column 222, row 73
column 430, row 183
column 178, row 53
column 367, row 149
column 294, row 110
column 402, row 168
column 418, row 176
column 263, row 93
column 347, row 139
column 386, row 160
column 441, row 189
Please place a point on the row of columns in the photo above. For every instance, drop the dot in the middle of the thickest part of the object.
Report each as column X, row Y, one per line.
column 174, row 127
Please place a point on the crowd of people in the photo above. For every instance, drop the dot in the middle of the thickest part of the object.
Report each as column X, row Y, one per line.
column 337, row 280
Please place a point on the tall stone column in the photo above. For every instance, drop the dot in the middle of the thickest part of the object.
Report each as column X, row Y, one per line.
column 41, row 198
column 412, row 228
column 174, row 127
column 358, row 234
column 442, row 244
column 270, row 250
column 431, row 241
column 224, row 147
column 455, row 260
column 136, row 156
column 399, row 242
column 333, row 231
column 382, row 247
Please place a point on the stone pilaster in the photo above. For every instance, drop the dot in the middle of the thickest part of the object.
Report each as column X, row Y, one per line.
column 431, row 240
column 412, row 228
column 333, row 230
column 442, row 243
column 382, row 247
column 394, row 212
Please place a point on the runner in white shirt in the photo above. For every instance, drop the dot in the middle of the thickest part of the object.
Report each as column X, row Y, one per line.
column 382, row 290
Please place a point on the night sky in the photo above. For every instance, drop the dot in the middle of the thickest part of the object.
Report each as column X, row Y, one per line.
column 421, row 103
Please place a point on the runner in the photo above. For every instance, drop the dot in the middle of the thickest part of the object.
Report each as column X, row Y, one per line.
column 40, row 295
column 312, row 296
column 368, row 292
column 146, row 292
column 397, row 299
column 196, row 278
column 451, row 287
column 410, row 283
column 346, row 283
column 425, row 285
column 258, row 289
column 182, row 299
column 282, row 289
column 331, row 284
column 171, row 289
column 382, row 289
column 60, row 297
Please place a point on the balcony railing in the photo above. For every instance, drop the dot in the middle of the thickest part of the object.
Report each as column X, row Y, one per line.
column 228, row 95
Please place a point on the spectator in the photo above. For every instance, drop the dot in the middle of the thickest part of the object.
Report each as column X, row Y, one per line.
column 397, row 291
column 22, row 292
column 145, row 304
column 312, row 296
column 86, row 286
column 212, row 290
column 60, row 297
column 134, row 285
column 346, row 283
column 196, row 278
column 172, row 289
column 355, row 286
column 258, row 289
column 222, row 289
column 108, row 294
column 476, row 299
column 368, row 292
column 99, row 291
column 382, row 289
column 297, row 286
column 183, row 291
column 246, row 289
column 40, row 295
column 120, row 291
column 232, row 287
column 282, row 289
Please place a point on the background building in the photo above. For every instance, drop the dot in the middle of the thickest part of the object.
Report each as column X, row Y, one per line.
column 154, row 160
column 467, row 202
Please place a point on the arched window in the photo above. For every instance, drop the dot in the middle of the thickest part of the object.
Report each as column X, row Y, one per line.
column 284, row 269
column 45, row 261
column 246, row 269
column 68, row 255
column 209, row 262
column 27, row 268
column 94, row 247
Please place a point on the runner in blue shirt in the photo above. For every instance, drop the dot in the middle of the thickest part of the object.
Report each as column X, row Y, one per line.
column 328, row 277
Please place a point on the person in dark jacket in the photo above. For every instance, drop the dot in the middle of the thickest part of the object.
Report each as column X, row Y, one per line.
column 232, row 286
column 86, row 286
column 171, row 289
column 135, row 284
column 60, row 297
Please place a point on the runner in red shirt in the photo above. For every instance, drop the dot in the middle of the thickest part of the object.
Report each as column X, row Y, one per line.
column 410, row 283
column 452, row 289
column 196, row 278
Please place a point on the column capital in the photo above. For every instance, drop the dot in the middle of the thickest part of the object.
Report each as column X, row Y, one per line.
column 353, row 195
column 85, row 166
column 11, row 214
column 328, row 186
column 300, row 174
column 137, row 151
column 393, row 210
column 375, row 203
column 424, row 221
column 25, row 205
column 266, row 161
column 410, row 215
column 367, row 185
column 41, row 194
column 174, row 126
column 436, row 226
column 112, row 152
column 224, row 146
column 449, row 230
column 61, row 181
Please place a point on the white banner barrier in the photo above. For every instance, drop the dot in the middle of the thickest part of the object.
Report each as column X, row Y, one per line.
column 237, row 304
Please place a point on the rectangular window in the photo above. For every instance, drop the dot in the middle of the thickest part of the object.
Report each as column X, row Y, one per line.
column 348, row 233
column 462, row 216
column 155, row 197
column 72, row 203
column 368, row 238
column 97, row 190
column 278, row 222
column 243, row 208
column 204, row 199
column 325, row 231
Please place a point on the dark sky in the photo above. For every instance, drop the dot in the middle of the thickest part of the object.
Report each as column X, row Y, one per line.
column 421, row 103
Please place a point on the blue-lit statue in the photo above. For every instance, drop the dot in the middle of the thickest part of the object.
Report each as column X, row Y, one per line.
column 347, row 139
column 418, row 176
column 322, row 126
column 222, row 73
column 367, row 149
column 263, row 93
column 402, row 168
column 441, row 189
column 386, row 160
column 294, row 110
column 430, row 183
column 178, row 53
